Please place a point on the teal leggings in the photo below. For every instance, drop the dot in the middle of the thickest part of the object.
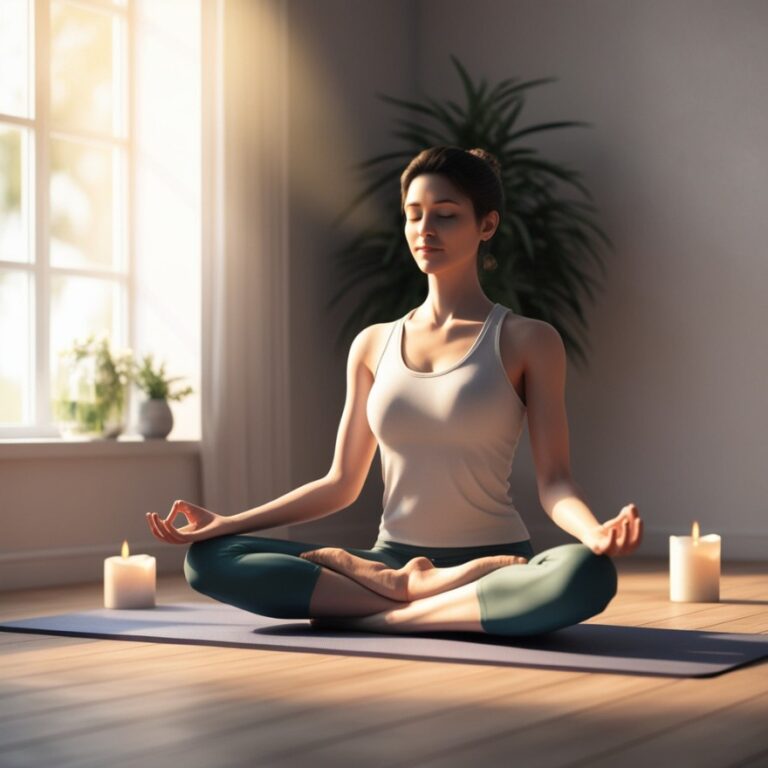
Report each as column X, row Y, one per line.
column 557, row 588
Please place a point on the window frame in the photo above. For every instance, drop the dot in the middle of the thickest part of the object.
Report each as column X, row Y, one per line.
column 41, row 133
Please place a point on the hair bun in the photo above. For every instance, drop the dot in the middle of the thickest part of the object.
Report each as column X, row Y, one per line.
column 489, row 158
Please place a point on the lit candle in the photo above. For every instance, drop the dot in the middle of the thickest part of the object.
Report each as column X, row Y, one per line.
column 694, row 567
column 129, row 582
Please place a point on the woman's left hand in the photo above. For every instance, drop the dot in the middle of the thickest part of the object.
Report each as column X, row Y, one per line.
column 203, row 524
column 621, row 535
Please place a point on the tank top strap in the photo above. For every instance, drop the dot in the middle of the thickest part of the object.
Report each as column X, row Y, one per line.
column 489, row 335
column 494, row 330
column 394, row 325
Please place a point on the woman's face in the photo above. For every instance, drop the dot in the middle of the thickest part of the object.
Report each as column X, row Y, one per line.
column 438, row 215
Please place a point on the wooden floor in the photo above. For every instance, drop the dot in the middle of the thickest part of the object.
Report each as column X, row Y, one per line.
column 80, row 702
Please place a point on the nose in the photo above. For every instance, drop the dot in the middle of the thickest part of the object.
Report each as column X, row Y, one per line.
column 425, row 225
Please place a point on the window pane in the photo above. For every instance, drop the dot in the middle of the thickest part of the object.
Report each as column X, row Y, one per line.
column 14, row 194
column 81, row 306
column 16, row 347
column 14, row 57
column 85, row 50
column 83, row 179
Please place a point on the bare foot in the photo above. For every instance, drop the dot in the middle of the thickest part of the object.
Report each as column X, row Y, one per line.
column 455, row 610
column 417, row 579
column 376, row 576
column 425, row 580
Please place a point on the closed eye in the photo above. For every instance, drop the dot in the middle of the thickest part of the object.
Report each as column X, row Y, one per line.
column 439, row 217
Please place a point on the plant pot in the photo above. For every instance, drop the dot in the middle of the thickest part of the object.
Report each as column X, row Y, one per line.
column 155, row 419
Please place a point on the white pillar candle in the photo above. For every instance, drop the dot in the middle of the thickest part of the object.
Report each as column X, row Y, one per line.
column 129, row 581
column 694, row 567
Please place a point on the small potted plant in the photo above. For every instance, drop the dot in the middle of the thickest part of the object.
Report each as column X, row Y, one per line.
column 155, row 416
column 92, row 389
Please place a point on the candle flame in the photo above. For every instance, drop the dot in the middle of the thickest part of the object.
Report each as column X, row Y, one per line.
column 125, row 548
column 695, row 532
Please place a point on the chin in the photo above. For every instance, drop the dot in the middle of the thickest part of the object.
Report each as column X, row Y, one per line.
column 430, row 260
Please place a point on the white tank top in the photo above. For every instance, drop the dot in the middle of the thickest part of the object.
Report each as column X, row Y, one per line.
column 447, row 441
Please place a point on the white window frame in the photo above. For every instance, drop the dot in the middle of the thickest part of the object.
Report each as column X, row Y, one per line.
column 40, row 127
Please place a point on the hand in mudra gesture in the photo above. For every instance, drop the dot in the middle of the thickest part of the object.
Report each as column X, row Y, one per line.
column 203, row 524
column 621, row 535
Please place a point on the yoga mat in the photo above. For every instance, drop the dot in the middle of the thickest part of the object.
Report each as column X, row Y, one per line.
column 583, row 647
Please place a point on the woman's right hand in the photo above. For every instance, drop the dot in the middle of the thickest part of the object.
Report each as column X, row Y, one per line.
column 203, row 524
column 621, row 535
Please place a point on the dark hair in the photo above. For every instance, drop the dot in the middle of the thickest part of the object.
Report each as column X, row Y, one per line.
column 475, row 172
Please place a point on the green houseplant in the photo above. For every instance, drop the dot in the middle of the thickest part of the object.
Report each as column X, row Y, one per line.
column 155, row 415
column 545, row 245
column 92, row 388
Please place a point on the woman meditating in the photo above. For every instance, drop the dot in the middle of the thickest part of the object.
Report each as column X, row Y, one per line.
column 443, row 392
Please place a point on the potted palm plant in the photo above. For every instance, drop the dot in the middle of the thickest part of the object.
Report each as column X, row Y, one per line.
column 155, row 415
column 543, row 250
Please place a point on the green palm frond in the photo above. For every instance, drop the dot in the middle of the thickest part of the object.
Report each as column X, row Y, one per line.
column 547, row 246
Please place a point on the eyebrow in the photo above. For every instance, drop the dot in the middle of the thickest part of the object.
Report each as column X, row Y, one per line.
column 437, row 202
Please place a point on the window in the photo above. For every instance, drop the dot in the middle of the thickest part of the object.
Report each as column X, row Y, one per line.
column 65, row 202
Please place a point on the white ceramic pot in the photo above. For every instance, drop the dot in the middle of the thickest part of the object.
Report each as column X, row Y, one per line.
column 155, row 419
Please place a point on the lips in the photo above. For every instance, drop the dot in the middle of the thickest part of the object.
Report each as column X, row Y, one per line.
column 427, row 248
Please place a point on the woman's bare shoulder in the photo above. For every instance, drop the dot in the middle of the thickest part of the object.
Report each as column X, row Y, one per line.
column 522, row 336
column 375, row 338
column 515, row 326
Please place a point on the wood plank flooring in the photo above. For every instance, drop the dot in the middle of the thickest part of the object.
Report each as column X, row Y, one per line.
column 90, row 703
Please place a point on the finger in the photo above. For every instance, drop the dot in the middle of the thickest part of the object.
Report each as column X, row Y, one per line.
column 624, row 513
column 628, row 513
column 176, row 509
column 628, row 510
column 610, row 547
column 151, row 517
column 162, row 533
column 161, row 528
column 634, row 534
column 172, row 533
column 624, row 533
column 149, row 523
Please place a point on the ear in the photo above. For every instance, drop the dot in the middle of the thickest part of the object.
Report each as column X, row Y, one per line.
column 489, row 225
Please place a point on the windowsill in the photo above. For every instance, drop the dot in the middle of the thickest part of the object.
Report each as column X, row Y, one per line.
column 123, row 446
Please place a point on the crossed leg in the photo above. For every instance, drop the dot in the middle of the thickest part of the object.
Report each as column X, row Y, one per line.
column 560, row 587
column 457, row 610
column 417, row 579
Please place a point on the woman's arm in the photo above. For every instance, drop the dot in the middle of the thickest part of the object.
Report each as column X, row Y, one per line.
column 562, row 500
column 308, row 502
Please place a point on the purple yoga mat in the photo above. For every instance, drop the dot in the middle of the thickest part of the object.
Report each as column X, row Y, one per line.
column 583, row 647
